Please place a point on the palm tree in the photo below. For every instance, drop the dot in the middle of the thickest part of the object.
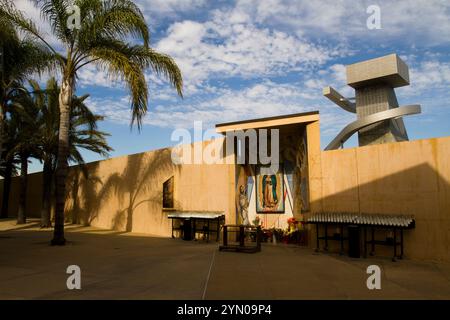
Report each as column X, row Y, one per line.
column 7, row 171
column 23, row 137
column 9, row 166
column 19, row 57
column 83, row 134
column 102, row 38
column 33, row 132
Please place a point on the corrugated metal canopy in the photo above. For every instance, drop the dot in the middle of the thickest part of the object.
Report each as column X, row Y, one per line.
column 195, row 214
column 388, row 220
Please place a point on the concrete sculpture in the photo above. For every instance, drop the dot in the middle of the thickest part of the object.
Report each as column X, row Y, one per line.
column 378, row 113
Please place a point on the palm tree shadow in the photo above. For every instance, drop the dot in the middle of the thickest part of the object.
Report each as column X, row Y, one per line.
column 83, row 195
column 139, row 183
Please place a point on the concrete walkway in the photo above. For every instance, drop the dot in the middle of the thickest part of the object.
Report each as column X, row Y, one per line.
column 130, row 266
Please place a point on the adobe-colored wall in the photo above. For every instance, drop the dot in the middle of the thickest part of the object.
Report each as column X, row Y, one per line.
column 34, row 196
column 410, row 177
column 125, row 193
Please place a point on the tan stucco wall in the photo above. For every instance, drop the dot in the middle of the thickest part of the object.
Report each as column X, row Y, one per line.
column 125, row 193
column 406, row 177
column 34, row 196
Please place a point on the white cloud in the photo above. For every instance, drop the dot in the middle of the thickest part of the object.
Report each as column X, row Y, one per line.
column 170, row 6
column 33, row 12
column 430, row 87
column 414, row 21
column 248, row 58
column 268, row 98
column 430, row 74
column 115, row 110
column 262, row 99
column 421, row 21
column 333, row 75
column 91, row 75
column 230, row 46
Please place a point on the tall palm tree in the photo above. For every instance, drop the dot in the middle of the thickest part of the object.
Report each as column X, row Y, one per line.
column 24, row 124
column 103, row 39
column 33, row 132
column 8, row 170
column 83, row 134
column 9, row 163
column 19, row 57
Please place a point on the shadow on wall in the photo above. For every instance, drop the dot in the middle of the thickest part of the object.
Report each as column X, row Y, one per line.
column 83, row 186
column 118, row 194
column 420, row 191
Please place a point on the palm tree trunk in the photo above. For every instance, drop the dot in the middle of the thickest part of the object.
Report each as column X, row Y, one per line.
column 21, row 215
column 2, row 126
column 2, row 119
column 47, row 182
column 2, row 113
column 6, row 188
column 65, row 101
column 9, row 163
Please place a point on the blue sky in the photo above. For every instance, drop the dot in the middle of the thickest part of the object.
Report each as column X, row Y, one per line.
column 249, row 59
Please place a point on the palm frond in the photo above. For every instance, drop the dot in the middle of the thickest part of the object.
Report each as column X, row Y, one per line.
column 56, row 14
column 116, row 19
column 115, row 58
column 9, row 12
column 161, row 64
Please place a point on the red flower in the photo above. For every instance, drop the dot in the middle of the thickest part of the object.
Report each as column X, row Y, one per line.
column 292, row 221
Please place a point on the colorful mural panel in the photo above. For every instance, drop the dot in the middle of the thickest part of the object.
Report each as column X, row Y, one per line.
column 269, row 191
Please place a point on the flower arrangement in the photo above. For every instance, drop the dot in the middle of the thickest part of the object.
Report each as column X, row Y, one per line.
column 267, row 235
column 279, row 234
column 293, row 225
column 294, row 234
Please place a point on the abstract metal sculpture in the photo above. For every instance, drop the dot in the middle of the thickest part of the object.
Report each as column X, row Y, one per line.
column 376, row 106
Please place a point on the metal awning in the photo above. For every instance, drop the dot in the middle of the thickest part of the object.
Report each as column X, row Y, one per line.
column 196, row 222
column 369, row 219
column 195, row 214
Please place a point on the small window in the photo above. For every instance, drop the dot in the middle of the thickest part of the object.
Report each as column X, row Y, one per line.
column 168, row 193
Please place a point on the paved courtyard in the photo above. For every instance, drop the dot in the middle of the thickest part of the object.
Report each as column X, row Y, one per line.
column 130, row 266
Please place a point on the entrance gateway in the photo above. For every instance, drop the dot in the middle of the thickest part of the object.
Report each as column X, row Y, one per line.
column 272, row 200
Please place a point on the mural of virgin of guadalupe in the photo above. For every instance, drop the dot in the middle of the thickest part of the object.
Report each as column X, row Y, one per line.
column 269, row 186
